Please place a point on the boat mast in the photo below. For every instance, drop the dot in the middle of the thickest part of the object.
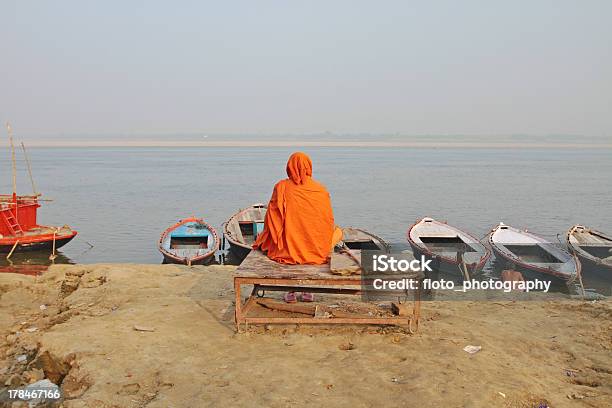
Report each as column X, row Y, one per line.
column 27, row 159
column 13, row 161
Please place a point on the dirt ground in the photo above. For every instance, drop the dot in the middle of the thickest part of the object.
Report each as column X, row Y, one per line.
column 163, row 336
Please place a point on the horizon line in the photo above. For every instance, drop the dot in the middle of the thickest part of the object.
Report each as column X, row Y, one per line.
column 317, row 143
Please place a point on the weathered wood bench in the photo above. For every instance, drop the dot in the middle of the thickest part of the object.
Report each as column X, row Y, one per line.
column 266, row 275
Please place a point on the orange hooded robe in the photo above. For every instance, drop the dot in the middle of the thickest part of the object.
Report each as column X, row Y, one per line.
column 299, row 224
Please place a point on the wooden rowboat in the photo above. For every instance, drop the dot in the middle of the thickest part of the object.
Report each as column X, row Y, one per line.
column 453, row 251
column 533, row 256
column 360, row 239
column 190, row 242
column 593, row 248
column 242, row 228
column 346, row 256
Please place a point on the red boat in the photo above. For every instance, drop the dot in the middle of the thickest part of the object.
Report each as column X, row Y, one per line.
column 19, row 229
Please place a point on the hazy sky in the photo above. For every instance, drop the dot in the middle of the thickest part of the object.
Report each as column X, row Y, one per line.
column 441, row 67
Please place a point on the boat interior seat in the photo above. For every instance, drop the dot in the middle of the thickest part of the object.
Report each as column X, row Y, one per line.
column 250, row 228
column 188, row 252
column 187, row 231
column 185, row 238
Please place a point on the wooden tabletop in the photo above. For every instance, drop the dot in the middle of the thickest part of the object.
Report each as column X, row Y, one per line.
column 257, row 264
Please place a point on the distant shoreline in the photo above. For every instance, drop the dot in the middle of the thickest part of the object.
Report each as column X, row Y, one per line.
column 337, row 144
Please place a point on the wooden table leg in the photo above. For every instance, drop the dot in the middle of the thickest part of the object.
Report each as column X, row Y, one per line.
column 242, row 309
column 238, row 304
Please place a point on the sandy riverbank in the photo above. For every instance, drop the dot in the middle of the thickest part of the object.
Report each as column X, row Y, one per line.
column 532, row 352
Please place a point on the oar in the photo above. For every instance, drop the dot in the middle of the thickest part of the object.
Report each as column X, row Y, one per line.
column 53, row 256
column 8, row 257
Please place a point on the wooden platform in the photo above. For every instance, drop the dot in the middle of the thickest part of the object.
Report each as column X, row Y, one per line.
column 266, row 275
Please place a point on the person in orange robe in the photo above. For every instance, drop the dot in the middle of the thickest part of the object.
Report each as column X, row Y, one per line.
column 299, row 225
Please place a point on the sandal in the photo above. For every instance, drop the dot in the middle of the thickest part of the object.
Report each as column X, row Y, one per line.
column 307, row 297
column 290, row 297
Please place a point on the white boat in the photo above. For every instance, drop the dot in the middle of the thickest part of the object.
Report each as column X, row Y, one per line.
column 533, row 256
column 448, row 246
column 594, row 249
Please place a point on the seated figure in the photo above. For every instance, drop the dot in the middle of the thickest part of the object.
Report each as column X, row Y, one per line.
column 299, row 225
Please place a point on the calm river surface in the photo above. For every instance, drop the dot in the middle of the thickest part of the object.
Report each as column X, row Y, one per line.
column 121, row 199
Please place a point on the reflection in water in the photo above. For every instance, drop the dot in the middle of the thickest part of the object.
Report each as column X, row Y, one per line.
column 229, row 257
column 594, row 282
column 31, row 263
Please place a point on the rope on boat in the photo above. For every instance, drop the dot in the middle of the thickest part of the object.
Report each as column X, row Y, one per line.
column 464, row 270
column 578, row 276
column 462, row 266
column 577, row 262
column 13, row 159
column 27, row 159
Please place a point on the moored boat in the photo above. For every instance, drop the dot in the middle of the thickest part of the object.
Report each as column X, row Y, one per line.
column 533, row 256
column 242, row 228
column 346, row 256
column 452, row 250
column 19, row 229
column 360, row 239
column 593, row 248
column 190, row 242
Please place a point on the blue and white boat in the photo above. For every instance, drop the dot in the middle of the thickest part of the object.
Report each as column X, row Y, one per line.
column 190, row 242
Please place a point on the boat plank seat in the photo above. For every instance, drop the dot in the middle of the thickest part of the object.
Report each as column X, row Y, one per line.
column 187, row 231
column 588, row 239
column 188, row 252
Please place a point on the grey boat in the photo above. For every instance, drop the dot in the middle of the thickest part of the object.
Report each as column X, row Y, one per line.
column 453, row 251
column 242, row 229
column 593, row 248
column 533, row 256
